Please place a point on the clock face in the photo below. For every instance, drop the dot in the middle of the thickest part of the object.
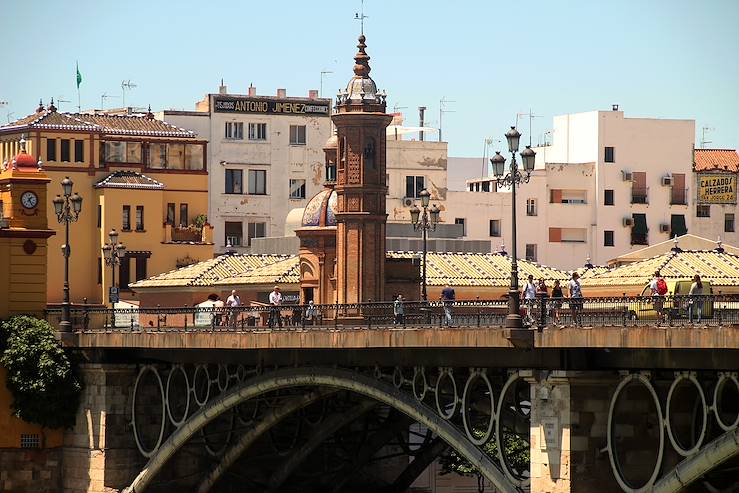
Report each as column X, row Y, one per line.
column 29, row 200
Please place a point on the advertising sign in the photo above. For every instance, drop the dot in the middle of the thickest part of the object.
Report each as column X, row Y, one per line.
column 717, row 188
column 270, row 106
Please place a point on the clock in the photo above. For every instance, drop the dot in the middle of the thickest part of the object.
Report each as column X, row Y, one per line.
column 29, row 200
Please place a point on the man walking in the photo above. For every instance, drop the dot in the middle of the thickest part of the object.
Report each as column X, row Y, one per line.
column 448, row 297
column 233, row 302
column 575, row 292
column 658, row 288
column 529, row 298
column 398, row 310
column 275, row 300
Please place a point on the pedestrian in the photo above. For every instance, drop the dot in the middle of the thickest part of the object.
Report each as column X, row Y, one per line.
column 542, row 293
column 218, row 308
column 695, row 303
column 398, row 310
column 529, row 298
column 275, row 300
column 447, row 297
column 576, row 301
column 233, row 302
column 310, row 313
column 658, row 289
column 557, row 301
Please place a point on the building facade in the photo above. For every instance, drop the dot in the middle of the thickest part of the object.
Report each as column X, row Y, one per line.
column 145, row 178
column 714, row 182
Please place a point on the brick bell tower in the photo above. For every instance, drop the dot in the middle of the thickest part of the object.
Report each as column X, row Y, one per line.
column 360, row 121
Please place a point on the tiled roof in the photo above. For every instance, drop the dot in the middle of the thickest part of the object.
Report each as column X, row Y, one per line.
column 130, row 180
column 281, row 272
column 108, row 124
column 716, row 160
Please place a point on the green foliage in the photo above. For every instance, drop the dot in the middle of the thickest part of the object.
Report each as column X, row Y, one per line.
column 41, row 377
column 517, row 453
column 200, row 220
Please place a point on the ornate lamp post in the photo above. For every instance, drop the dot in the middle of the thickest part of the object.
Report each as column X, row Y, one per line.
column 424, row 220
column 113, row 252
column 67, row 210
column 512, row 178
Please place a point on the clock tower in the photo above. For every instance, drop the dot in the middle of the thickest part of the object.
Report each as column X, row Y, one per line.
column 23, row 234
column 360, row 121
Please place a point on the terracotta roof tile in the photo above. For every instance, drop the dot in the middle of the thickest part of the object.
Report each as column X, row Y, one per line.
column 716, row 160
column 131, row 180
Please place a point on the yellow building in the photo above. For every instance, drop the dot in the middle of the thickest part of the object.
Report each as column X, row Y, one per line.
column 143, row 177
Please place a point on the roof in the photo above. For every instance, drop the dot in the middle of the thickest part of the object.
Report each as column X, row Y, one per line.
column 108, row 124
column 716, row 160
column 686, row 242
column 285, row 271
column 129, row 180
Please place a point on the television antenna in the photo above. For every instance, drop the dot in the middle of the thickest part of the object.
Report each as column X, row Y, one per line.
column 442, row 109
column 104, row 97
column 323, row 73
column 60, row 100
column 126, row 85
column 359, row 16
column 704, row 131
column 9, row 116
column 396, row 108
column 531, row 117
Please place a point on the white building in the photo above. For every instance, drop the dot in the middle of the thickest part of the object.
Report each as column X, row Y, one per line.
column 266, row 155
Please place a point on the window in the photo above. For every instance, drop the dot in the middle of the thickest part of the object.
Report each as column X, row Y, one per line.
column 703, row 210
column 495, row 227
column 133, row 152
column 679, row 194
column 729, row 223
column 639, row 188
column 114, row 152
column 234, row 130
column 297, row 135
column 79, row 151
column 176, row 156
column 170, row 213
column 608, row 238
column 257, row 131
column 610, row 156
column 65, row 151
column 297, row 189
column 256, row 230
column 183, row 215
column 100, row 270
column 531, row 252
column 460, row 220
column 234, row 181
column 530, row 207
column 100, row 215
column 51, row 149
column 677, row 225
column 639, row 231
column 126, row 219
column 369, row 154
column 234, row 233
column 414, row 185
column 608, row 197
column 157, row 156
column 257, row 182
column 194, row 156
column 139, row 218
column 141, row 268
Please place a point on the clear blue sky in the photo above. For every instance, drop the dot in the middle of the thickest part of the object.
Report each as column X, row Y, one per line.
column 666, row 58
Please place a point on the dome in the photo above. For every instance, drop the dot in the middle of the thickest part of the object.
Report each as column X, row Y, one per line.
column 332, row 142
column 25, row 162
column 321, row 210
column 293, row 221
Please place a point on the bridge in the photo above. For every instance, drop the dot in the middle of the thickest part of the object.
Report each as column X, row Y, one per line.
column 605, row 395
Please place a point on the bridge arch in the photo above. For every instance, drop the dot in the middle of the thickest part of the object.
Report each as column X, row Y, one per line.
column 322, row 377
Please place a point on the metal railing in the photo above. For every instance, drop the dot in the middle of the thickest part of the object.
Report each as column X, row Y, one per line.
column 639, row 195
column 679, row 196
column 623, row 311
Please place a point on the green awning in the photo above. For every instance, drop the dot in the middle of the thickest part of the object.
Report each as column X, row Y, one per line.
column 640, row 225
column 677, row 225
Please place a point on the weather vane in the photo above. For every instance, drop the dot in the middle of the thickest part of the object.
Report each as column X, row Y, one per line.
column 361, row 17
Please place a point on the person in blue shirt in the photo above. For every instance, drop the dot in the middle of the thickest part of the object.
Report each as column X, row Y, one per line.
column 448, row 297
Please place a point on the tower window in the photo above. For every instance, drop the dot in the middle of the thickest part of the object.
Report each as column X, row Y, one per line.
column 369, row 154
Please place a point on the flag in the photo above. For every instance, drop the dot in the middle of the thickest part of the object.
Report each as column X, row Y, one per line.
column 79, row 76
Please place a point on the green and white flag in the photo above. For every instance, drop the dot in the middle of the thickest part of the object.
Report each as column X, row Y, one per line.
column 79, row 76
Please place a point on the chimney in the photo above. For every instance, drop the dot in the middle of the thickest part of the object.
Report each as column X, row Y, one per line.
column 281, row 93
column 421, row 111
column 222, row 89
column 614, row 107
column 313, row 94
column 252, row 91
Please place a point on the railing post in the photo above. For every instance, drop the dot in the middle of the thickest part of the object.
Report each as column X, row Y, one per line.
column 185, row 317
column 159, row 317
column 85, row 314
column 717, row 307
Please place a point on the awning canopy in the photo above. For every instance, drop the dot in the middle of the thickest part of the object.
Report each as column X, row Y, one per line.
column 677, row 225
column 640, row 225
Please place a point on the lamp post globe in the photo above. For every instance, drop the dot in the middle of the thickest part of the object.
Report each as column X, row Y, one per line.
column 513, row 136
column 113, row 236
column 415, row 213
column 498, row 162
column 67, row 186
column 425, row 198
column 528, row 156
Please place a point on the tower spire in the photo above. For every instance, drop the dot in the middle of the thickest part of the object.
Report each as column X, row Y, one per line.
column 361, row 59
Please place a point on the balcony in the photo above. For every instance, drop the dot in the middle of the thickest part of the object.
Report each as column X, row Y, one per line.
column 679, row 196
column 639, row 195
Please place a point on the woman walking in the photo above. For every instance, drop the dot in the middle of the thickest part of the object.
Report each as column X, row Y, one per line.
column 557, row 296
column 695, row 302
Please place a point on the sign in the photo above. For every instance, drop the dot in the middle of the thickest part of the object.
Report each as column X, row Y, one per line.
column 113, row 294
column 717, row 188
column 271, row 106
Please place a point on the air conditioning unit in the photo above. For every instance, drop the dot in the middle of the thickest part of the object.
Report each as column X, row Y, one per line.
column 664, row 228
column 407, row 201
column 667, row 181
column 628, row 221
column 627, row 175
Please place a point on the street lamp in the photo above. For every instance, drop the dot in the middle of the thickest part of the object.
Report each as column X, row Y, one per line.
column 512, row 178
column 67, row 209
column 424, row 220
column 113, row 252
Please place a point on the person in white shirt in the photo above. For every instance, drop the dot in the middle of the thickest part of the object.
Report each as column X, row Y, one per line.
column 275, row 299
column 529, row 298
column 233, row 302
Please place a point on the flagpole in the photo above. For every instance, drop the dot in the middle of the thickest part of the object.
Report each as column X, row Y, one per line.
column 79, row 79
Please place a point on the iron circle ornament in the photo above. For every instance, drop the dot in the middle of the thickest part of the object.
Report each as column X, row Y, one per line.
column 240, row 373
column 201, row 370
column 520, row 482
column 466, row 394
column 419, row 380
column 222, row 378
column 615, row 466
column 723, row 380
column 177, row 369
column 443, row 408
column 146, row 369
column 398, row 379
column 215, row 452
column 689, row 377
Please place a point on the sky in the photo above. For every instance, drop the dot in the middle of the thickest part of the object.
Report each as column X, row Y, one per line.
column 490, row 59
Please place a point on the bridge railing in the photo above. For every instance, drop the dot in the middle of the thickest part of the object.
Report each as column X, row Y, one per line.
column 625, row 311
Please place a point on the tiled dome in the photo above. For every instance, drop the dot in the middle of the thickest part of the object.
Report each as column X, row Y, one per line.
column 321, row 210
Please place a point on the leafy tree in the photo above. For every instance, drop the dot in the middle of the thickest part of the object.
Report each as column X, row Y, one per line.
column 517, row 452
column 40, row 375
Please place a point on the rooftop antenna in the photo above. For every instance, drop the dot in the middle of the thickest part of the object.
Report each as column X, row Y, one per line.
column 531, row 116
column 396, row 107
column 487, row 142
column 704, row 131
column 10, row 116
column 320, row 90
column 126, row 85
column 60, row 100
column 361, row 17
column 442, row 109
column 103, row 97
